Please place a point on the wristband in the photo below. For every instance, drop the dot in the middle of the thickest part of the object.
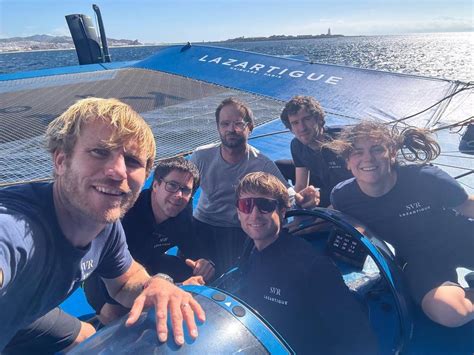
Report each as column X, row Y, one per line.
column 159, row 275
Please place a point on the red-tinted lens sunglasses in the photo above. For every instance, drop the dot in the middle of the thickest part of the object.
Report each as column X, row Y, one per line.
column 264, row 205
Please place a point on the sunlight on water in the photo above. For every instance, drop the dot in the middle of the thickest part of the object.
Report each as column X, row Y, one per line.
column 442, row 55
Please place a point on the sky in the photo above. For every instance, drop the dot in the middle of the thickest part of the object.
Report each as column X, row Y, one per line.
column 176, row 21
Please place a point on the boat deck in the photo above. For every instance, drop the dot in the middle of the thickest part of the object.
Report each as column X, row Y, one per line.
column 179, row 110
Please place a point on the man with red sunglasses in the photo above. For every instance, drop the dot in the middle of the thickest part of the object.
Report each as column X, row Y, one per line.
column 298, row 292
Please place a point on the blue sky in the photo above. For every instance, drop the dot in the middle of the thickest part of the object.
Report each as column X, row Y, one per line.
column 157, row 21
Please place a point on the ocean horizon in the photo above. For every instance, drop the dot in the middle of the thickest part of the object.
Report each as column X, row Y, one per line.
column 440, row 55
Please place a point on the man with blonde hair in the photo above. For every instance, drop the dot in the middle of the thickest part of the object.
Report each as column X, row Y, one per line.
column 300, row 293
column 54, row 235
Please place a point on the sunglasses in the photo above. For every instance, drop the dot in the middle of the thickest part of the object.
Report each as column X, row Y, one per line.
column 264, row 205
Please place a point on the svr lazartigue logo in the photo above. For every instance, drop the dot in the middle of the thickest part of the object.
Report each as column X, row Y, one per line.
column 87, row 266
column 270, row 70
column 275, row 296
column 414, row 208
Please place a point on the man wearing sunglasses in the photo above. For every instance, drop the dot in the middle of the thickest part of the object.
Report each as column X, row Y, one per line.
column 298, row 292
column 221, row 166
column 160, row 219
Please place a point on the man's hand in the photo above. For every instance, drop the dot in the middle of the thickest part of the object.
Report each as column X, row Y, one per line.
column 308, row 197
column 166, row 296
column 201, row 267
column 194, row 280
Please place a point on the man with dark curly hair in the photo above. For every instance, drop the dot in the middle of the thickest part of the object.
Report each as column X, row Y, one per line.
column 314, row 164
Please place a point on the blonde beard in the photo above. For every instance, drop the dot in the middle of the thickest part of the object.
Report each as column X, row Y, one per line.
column 71, row 191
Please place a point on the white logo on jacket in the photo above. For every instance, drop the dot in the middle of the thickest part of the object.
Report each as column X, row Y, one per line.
column 161, row 240
column 275, row 291
column 87, row 266
column 414, row 208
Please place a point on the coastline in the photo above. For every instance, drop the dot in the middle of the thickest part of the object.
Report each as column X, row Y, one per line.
column 278, row 38
column 73, row 49
column 231, row 40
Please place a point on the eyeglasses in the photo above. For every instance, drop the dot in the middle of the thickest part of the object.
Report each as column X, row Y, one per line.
column 172, row 186
column 264, row 205
column 240, row 125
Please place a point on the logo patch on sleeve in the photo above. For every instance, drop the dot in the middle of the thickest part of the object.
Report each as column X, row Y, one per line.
column 1, row 277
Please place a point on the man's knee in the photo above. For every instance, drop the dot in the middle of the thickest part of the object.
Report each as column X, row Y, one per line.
column 448, row 306
column 85, row 332
column 110, row 312
column 53, row 332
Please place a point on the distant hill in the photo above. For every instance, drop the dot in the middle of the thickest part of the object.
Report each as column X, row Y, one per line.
column 45, row 42
column 38, row 38
column 281, row 38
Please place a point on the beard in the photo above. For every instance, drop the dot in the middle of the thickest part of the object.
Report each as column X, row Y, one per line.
column 232, row 140
column 76, row 193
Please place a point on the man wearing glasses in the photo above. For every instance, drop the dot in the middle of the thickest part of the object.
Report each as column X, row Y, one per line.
column 160, row 219
column 301, row 294
column 221, row 166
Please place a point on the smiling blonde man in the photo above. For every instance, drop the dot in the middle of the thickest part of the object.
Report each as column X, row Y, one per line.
column 54, row 235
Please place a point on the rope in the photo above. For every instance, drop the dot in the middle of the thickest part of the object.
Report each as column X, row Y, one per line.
column 270, row 134
column 468, row 86
column 451, row 166
column 467, row 121
column 465, row 174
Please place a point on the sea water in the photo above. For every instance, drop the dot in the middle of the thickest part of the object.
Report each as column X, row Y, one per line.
column 441, row 55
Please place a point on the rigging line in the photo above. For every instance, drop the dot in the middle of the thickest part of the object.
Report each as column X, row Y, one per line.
column 448, row 108
column 270, row 134
column 464, row 174
column 461, row 123
column 430, row 107
column 456, row 156
column 450, row 151
column 14, row 183
column 460, row 103
column 450, row 166
column 466, row 185
column 468, row 86
column 179, row 155
column 342, row 115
